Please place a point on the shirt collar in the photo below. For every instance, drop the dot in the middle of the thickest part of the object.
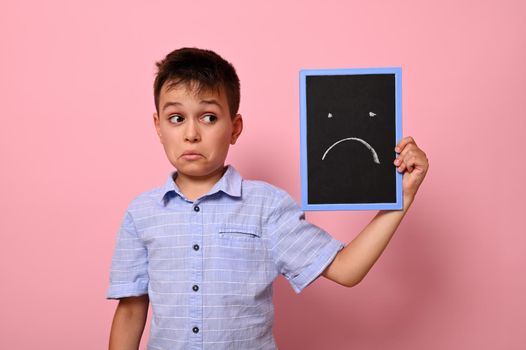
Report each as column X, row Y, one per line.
column 230, row 184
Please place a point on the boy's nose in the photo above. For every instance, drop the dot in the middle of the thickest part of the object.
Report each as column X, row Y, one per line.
column 192, row 132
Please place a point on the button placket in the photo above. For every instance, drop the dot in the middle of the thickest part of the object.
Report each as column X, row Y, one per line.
column 195, row 298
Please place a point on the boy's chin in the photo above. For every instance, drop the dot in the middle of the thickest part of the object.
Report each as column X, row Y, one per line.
column 197, row 171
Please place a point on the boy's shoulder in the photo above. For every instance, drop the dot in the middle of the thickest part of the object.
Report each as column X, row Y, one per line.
column 251, row 187
column 145, row 201
column 265, row 195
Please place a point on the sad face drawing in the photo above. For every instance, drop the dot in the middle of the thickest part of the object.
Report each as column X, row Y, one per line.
column 351, row 134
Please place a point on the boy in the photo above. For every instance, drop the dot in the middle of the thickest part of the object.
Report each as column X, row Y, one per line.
column 204, row 248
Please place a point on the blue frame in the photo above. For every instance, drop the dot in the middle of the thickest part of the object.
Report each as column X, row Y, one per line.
column 397, row 71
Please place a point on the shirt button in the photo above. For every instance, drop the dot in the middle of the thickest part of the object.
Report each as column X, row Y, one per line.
column 195, row 330
column 196, row 247
column 196, row 208
column 195, row 288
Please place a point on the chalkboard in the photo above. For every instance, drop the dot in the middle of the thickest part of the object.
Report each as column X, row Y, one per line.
column 351, row 121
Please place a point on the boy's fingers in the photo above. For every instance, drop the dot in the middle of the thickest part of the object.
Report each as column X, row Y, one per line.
column 401, row 145
column 406, row 160
column 408, row 152
column 409, row 149
column 400, row 164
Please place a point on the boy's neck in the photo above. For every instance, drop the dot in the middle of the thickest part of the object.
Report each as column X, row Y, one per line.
column 193, row 187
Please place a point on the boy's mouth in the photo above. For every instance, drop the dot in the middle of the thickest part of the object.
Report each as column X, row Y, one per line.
column 191, row 155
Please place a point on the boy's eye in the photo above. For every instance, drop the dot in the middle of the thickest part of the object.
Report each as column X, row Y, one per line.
column 210, row 118
column 176, row 119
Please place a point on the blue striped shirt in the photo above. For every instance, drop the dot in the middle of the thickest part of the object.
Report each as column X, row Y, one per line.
column 208, row 265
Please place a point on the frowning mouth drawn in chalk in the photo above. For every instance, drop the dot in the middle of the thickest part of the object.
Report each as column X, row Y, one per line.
column 369, row 147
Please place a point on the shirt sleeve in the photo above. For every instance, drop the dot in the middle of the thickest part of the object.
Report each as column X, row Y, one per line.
column 129, row 266
column 301, row 250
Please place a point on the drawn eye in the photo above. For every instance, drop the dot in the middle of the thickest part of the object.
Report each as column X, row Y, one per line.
column 176, row 119
column 210, row 119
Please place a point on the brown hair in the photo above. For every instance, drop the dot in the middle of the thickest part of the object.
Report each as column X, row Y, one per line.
column 205, row 68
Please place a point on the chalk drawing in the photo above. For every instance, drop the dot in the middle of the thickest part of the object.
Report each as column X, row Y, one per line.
column 373, row 152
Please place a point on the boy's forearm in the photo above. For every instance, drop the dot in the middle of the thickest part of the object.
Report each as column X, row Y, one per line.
column 354, row 261
column 128, row 323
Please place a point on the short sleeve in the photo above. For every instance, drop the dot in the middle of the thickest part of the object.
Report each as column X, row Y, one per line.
column 129, row 266
column 300, row 250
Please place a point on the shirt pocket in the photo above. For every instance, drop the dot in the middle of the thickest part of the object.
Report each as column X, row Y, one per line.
column 240, row 244
column 239, row 232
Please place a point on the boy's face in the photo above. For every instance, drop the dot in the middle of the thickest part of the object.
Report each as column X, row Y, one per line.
column 196, row 130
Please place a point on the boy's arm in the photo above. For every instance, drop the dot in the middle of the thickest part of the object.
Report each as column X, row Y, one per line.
column 353, row 262
column 128, row 323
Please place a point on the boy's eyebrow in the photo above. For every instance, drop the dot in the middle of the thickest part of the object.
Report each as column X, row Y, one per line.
column 207, row 102
column 211, row 102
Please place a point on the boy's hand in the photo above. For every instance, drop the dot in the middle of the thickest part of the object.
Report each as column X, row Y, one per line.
column 413, row 163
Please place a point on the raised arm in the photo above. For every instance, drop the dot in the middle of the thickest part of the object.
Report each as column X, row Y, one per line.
column 128, row 323
column 354, row 261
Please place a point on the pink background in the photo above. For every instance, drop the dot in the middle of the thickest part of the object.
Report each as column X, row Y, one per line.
column 78, row 143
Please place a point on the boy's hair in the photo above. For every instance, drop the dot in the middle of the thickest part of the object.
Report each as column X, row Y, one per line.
column 205, row 68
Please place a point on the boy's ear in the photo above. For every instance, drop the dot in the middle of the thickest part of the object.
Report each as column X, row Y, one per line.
column 157, row 124
column 237, row 122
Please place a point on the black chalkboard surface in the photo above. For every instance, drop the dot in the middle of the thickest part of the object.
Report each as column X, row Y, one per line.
column 350, row 124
